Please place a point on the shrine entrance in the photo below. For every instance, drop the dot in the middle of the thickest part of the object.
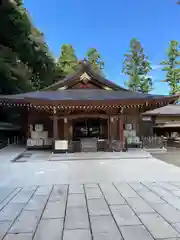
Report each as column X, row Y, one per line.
column 90, row 128
column 91, row 133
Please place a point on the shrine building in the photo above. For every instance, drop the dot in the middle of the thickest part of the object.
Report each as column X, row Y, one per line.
column 84, row 112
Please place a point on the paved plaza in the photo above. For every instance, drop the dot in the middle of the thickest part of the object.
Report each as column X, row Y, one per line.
column 111, row 211
column 105, row 196
column 107, row 168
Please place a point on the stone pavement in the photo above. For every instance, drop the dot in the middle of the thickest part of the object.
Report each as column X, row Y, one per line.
column 10, row 152
column 111, row 211
column 85, row 171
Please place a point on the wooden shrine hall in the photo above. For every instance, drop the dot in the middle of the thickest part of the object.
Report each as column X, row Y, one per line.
column 83, row 112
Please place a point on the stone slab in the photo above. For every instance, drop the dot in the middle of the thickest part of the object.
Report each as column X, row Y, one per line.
column 78, row 234
column 76, row 200
column 59, row 193
column 176, row 193
column 22, row 196
column 76, row 217
column 43, row 190
column 98, row 207
column 103, row 224
column 4, row 226
column 29, row 188
column 37, row 202
column 20, row 236
column 26, row 222
column 135, row 233
column 91, row 185
column 151, row 197
column 168, row 212
column 176, row 226
column 107, row 236
column 76, row 188
column 93, row 193
column 176, row 183
column 8, row 199
column 124, row 215
column 54, row 210
column 139, row 205
column 11, row 211
column 168, row 186
column 111, row 194
column 139, row 187
column 126, row 191
column 49, row 229
column 5, row 192
column 157, row 226
column 161, row 192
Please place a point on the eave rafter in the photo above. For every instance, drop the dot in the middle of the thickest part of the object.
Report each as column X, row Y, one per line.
column 89, row 106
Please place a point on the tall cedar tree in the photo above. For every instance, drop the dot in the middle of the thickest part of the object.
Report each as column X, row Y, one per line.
column 171, row 67
column 137, row 67
column 94, row 59
column 67, row 62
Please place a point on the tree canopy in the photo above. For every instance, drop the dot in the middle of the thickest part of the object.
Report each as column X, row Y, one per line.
column 137, row 66
column 171, row 67
column 95, row 60
column 21, row 39
column 67, row 62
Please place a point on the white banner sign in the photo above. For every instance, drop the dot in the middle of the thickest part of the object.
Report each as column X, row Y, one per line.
column 61, row 145
column 146, row 118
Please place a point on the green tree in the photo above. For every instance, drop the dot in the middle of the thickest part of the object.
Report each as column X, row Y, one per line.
column 67, row 62
column 20, row 36
column 94, row 59
column 171, row 67
column 15, row 76
column 137, row 67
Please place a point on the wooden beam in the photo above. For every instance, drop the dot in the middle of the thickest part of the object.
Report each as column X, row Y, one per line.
column 82, row 115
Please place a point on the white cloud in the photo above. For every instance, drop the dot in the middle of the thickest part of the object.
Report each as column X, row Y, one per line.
column 156, row 66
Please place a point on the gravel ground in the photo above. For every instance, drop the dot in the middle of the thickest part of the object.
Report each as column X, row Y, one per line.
column 172, row 156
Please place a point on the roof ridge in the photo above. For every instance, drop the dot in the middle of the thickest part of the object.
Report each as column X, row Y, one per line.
column 84, row 66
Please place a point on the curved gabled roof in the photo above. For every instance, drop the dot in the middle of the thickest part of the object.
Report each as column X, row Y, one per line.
column 84, row 67
column 72, row 96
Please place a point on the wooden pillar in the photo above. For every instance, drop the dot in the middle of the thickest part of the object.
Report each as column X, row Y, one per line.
column 70, row 129
column 121, row 132
column 28, row 133
column 111, row 119
column 66, row 130
column 108, row 125
column 55, row 128
column 109, row 133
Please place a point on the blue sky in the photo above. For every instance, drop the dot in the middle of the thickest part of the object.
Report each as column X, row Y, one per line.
column 109, row 26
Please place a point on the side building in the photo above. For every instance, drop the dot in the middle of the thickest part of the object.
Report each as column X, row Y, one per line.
column 166, row 122
column 83, row 112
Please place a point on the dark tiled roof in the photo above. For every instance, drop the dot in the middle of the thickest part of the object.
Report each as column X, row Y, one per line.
column 85, row 67
column 170, row 109
column 83, row 95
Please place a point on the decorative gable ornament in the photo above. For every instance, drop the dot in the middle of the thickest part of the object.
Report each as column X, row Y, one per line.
column 63, row 88
column 107, row 88
column 85, row 77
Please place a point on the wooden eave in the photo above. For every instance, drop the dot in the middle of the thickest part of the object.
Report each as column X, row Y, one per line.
column 30, row 102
